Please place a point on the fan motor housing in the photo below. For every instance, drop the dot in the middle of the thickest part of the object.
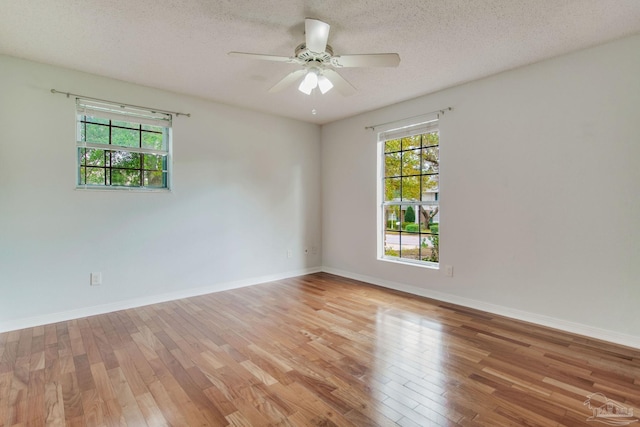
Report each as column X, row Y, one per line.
column 304, row 54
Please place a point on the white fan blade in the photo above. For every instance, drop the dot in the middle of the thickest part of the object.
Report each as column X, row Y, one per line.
column 288, row 80
column 317, row 34
column 341, row 85
column 367, row 60
column 263, row 57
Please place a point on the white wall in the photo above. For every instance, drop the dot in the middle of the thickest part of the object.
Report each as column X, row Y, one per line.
column 246, row 188
column 540, row 202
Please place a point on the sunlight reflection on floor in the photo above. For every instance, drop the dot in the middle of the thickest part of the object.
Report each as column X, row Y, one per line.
column 409, row 367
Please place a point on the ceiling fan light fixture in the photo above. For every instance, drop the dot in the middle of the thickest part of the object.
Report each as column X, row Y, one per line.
column 318, row 62
column 304, row 89
column 309, row 83
column 324, row 84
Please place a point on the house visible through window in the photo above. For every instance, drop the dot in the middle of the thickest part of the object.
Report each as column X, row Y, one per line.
column 122, row 147
column 410, row 193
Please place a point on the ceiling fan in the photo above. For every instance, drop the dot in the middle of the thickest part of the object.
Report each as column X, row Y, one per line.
column 318, row 62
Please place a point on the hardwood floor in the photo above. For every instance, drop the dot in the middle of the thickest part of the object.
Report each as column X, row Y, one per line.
column 318, row 350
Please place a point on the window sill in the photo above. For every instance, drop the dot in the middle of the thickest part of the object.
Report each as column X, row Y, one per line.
column 123, row 189
column 422, row 264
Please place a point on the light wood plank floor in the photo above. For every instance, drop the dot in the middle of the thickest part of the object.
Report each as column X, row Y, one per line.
column 317, row 350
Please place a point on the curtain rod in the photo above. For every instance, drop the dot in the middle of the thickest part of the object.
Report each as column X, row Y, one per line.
column 155, row 110
column 442, row 111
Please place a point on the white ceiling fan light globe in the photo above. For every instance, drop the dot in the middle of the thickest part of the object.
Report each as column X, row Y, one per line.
column 312, row 79
column 309, row 83
column 304, row 88
column 324, row 84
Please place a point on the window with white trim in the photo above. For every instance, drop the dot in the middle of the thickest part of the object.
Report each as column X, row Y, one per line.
column 122, row 147
column 409, row 194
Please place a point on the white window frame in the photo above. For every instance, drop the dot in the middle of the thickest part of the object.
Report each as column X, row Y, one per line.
column 116, row 112
column 397, row 130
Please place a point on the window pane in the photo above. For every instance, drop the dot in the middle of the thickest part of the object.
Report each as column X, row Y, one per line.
column 93, row 119
column 154, row 161
column 411, row 142
column 411, row 188
column 411, row 162
column 410, row 220
column 392, row 217
column 392, row 243
column 430, row 248
column 392, row 145
column 153, row 128
column 409, row 246
column 429, row 218
column 125, row 159
column 430, row 187
column 389, row 251
column 94, row 176
column 94, row 157
column 392, row 164
column 128, row 178
column 391, row 189
column 124, row 124
column 434, row 227
column 430, row 160
column 155, row 179
column 125, row 137
column 152, row 140
column 98, row 134
column 429, row 139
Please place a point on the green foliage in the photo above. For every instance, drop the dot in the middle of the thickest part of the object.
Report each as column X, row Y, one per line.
column 431, row 253
column 97, row 134
column 410, row 214
column 411, row 142
column 434, row 227
column 125, row 177
column 435, row 251
column 412, row 227
column 407, row 161
column 390, row 252
column 152, row 140
column 430, row 139
column 392, row 145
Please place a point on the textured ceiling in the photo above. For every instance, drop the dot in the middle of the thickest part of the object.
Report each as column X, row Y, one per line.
column 182, row 45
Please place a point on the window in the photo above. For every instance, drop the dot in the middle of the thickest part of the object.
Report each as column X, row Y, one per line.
column 409, row 194
column 122, row 147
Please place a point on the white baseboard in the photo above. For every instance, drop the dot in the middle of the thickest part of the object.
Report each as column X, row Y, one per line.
column 551, row 322
column 46, row 319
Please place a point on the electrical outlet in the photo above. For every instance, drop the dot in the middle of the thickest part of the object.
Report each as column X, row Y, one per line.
column 289, row 253
column 314, row 250
column 96, row 279
column 448, row 269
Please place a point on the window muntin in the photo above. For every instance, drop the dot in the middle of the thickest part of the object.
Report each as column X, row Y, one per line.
column 410, row 194
column 120, row 148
